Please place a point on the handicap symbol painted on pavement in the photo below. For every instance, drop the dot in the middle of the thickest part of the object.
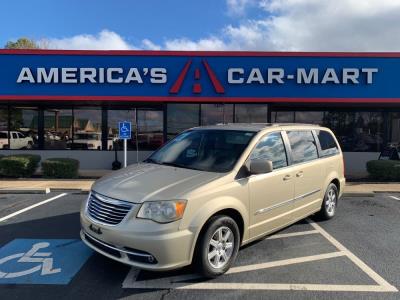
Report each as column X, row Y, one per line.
column 34, row 261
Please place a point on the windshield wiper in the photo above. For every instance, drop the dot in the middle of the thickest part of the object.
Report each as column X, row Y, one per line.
column 151, row 161
column 178, row 165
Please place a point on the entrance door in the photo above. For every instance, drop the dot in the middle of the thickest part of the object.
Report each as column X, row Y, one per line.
column 271, row 194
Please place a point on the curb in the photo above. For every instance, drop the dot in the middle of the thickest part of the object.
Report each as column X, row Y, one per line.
column 25, row 191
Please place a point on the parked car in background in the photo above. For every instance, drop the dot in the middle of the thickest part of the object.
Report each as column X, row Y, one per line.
column 88, row 140
column 211, row 190
column 17, row 140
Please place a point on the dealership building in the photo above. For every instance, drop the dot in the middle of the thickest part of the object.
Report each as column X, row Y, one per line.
column 69, row 103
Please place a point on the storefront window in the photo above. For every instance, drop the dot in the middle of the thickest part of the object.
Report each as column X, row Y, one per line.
column 181, row 117
column 150, row 129
column 86, row 130
column 356, row 131
column 394, row 125
column 114, row 117
column 282, row 117
column 212, row 114
column 309, row 117
column 251, row 113
column 3, row 128
column 57, row 128
column 23, row 128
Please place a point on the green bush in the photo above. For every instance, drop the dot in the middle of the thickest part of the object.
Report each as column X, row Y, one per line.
column 60, row 168
column 384, row 169
column 19, row 165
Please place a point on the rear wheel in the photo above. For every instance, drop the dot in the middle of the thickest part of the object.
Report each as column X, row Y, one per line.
column 329, row 205
column 218, row 246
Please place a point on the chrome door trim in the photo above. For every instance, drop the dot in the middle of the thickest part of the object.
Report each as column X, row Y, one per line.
column 269, row 208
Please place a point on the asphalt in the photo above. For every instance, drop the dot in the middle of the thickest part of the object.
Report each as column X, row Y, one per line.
column 367, row 226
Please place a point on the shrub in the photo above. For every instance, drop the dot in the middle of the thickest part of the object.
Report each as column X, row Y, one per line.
column 384, row 169
column 19, row 165
column 60, row 168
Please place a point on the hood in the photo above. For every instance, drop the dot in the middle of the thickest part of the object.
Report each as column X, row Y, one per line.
column 138, row 183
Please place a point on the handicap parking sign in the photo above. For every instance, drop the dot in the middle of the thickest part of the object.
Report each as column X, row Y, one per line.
column 125, row 130
column 37, row 261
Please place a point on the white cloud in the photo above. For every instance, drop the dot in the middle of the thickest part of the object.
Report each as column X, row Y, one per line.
column 239, row 7
column 281, row 25
column 307, row 25
column 105, row 40
column 149, row 45
column 211, row 43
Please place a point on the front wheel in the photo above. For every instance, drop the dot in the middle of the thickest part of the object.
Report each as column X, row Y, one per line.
column 329, row 205
column 218, row 246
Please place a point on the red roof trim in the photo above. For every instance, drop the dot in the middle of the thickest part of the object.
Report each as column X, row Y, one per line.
column 197, row 99
column 196, row 53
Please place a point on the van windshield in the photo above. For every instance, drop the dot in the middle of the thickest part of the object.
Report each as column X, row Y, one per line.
column 205, row 150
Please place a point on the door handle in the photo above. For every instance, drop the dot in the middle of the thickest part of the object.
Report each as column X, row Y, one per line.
column 287, row 177
column 299, row 174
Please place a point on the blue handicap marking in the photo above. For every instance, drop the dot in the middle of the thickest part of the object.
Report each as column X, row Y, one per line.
column 125, row 129
column 38, row 261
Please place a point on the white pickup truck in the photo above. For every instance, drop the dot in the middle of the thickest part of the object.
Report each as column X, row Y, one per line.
column 17, row 140
column 88, row 141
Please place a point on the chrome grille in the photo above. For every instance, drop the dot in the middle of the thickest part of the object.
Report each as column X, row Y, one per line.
column 107, row 210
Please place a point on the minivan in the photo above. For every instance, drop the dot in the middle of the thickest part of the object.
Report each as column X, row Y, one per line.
column 211, row 190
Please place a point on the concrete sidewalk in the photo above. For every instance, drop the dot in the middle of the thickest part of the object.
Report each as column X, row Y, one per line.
column 41, row 185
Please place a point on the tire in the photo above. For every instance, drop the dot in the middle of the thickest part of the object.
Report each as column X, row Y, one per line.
column 329, row 205
column 224, row 256
column 29, row 145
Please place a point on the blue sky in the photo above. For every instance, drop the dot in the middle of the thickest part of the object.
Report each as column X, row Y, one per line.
column 277, row 25
column 134, row 20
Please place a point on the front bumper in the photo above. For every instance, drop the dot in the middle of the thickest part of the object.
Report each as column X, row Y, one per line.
column 140, row 243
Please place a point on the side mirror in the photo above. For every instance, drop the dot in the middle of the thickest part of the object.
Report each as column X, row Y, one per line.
column 260, row 166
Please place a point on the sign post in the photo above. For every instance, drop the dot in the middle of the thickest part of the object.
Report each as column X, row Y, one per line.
column 125, row 129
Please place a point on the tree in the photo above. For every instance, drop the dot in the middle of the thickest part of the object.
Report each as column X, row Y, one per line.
column 22, row 43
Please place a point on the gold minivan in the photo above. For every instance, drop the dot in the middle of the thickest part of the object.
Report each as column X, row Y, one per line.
column 211, row 190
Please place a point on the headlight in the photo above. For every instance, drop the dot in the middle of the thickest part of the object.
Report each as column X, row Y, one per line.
column 162, row 211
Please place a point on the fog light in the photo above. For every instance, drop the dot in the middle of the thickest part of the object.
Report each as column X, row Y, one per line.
column 150, row 259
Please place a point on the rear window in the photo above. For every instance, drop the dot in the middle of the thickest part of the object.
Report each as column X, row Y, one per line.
column 303, row 146
column 3, row 135
column 327, row 143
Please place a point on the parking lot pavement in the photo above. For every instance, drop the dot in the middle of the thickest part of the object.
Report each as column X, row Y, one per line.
column 354, row 255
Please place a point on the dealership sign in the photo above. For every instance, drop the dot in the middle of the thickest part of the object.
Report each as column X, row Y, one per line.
column 187, row 76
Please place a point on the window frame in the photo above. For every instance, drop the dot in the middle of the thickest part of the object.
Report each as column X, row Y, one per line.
column 319, row 149
column 292, row 163
column 285, row 146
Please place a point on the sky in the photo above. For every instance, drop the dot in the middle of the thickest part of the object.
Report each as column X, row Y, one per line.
column 263, row 25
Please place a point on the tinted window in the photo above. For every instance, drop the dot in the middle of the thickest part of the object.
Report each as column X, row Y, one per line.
column 205, row 150
column 327, row 142
column 303, row 146
column 14, row 135
column 3, row 135
column 271, row 148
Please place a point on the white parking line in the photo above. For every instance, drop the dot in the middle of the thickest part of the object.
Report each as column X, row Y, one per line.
column 284, row 235
column 358, row 262
column 30, row 207
column 178, row 282
column 284, row 262
column 395, row 198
